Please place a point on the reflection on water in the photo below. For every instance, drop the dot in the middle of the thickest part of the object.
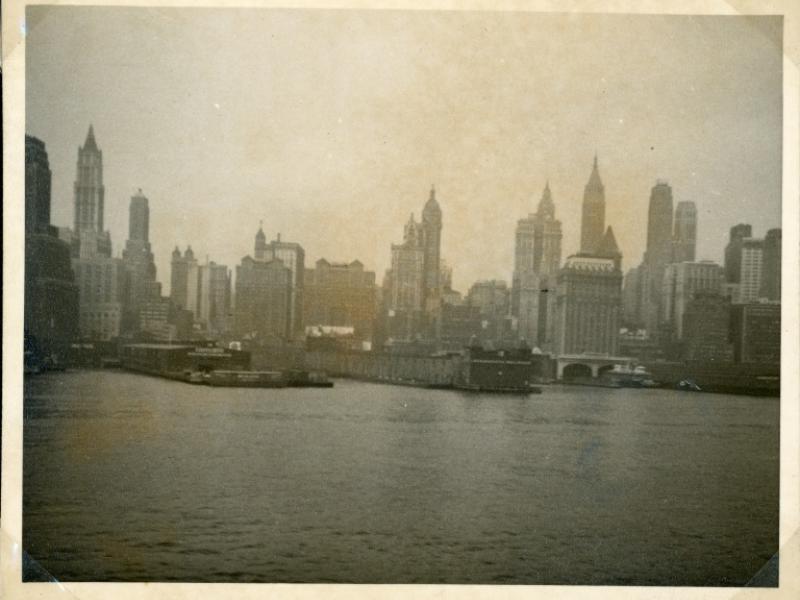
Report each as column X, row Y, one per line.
column 128, row 477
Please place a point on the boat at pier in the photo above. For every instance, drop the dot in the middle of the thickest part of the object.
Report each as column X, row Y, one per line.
column 264, row 379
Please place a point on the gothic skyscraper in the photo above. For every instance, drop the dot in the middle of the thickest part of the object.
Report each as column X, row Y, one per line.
column 593, row 217
column 90, row 200
column 537, row 257
column 413, row 283
column 432, row 241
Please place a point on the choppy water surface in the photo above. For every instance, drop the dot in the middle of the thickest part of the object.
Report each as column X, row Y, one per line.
column 129, row 477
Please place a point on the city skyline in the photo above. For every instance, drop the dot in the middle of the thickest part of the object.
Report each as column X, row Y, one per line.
column 478, row 237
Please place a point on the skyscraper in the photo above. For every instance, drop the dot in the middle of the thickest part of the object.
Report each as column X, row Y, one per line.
column 263, row 290
column 593, row 216
column 659, row 226
column 771, row 266
column 752, row 259
column 537, row 257
column 37, row 186
column 179, row 277
column 341, row 295
column 140, row 268
column 658, row 254
column 733, row 252
column 51, row 295
column 90, row 200
column 685, row 233
column 413, row 284
column 431, row 242
column 589, row 305
column 101, row 279
column 681, row 282
column 293, row 256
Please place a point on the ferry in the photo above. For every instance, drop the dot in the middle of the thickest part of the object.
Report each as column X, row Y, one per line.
column 264, row 379
column 297, row 378
column 630, row 376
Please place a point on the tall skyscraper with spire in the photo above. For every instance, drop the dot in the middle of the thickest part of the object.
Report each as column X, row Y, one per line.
column 101, row 279
column 90, row 200
column 537, row 257
column 593, row 216
column 432, row 242
column 413, row 284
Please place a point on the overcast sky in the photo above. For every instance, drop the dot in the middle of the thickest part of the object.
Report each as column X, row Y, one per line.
column 332, row 125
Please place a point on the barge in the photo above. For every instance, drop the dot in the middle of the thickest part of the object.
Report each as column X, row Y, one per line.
column 208, row 364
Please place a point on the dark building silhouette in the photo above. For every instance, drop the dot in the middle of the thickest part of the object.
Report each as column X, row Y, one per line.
column 771, row 266
column 589, row 301
column 51, row 295
column 341, row 295
column 179, row 276
column 733, row 252
column 537, row 258
column 37, row 186
column 756, row 333
column 706, row 327
column 459, row 326
column 492, row 300
column 593, row 216
column 140, row 269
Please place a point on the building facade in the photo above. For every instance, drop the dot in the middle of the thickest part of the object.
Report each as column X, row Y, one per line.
column 706, row 327
column 752, row 259
column 263, row 299
column 492, row 299
column 341, row 295
column 685, row 233
column 681, row 282
column 756, row 333
column 588, row 306
column 771, row 266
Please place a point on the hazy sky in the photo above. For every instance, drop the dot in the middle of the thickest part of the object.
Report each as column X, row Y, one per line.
column 332, row 125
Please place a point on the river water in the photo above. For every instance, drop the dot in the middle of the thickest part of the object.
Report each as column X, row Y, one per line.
column 129, row 477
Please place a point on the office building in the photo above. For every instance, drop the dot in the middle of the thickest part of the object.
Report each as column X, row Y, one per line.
column 341, row 295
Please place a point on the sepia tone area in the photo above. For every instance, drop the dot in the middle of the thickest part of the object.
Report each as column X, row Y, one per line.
column 401, row 297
